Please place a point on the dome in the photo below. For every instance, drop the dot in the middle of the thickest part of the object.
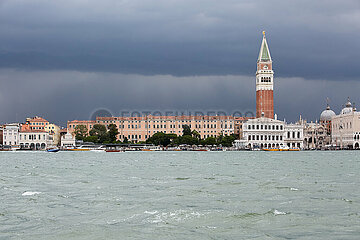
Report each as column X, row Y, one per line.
column 327, row 114
column 348, row 108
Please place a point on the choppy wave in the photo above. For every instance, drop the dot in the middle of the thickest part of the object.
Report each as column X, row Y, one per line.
column 30, row 193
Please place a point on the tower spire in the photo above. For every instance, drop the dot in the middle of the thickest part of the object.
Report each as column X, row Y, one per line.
column 264, row 55
column 264, row 82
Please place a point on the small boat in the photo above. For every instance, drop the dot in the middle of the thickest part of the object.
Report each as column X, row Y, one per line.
column 271, row 149
column 113, row 150
column 78, row 149
column 53, row 150
column 294, row 149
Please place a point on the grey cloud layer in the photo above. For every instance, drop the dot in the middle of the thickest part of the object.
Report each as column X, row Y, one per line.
column 69, row 95
column 311, row 39
column 64, row 59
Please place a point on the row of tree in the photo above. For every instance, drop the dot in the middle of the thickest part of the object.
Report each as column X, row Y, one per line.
column 100, row 134
column 189, row 138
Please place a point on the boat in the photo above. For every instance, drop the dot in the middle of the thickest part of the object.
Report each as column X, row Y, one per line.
column 294, row 149
column 113, row 150
column 280, row 149
column 271, row 149
column 53, row 150
column 78, row 149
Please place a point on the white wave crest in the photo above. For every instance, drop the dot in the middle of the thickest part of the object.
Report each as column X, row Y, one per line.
column 277, row 212
column 30, row 193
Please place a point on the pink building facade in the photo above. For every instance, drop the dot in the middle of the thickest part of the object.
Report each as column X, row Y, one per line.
column 138, row 129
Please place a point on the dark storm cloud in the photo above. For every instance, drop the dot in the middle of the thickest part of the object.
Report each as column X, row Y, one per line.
column 67, row 95
column 65, row 59
column 312, row 39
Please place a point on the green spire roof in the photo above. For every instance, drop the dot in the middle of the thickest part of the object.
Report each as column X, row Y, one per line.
column 264, row 54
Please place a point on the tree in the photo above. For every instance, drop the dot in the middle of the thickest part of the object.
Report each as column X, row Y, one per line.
column 188, row 139
column 99, row 131
column 195, row 134
column 80, row 132
column 126, row 140
column 112, row 133
column 162, row 139
column 227, row 141
column 93, row 139
column 209, row 141
column 186, row 130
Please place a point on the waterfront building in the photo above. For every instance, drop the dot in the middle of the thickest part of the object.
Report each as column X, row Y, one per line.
column 71, row 125
column 68, row 140
column 346, row 128
column 238, row 126
column 294, row 135
column 11, row 134
column 264, row 82
column 1, row 135
column 141, row 128
column 266, row 132
column 325, row 119
column 315, row 136
column 34, row 139
column 263, row 133
column 37, row 123
column 137, row 129
column 54, row 133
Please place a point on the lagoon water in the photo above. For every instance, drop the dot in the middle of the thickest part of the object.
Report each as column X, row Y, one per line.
column 180, row 195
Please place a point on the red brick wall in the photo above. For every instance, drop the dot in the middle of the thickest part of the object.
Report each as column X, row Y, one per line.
column 265, row 103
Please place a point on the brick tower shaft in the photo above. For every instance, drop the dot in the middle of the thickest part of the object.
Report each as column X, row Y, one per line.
column 264, row 82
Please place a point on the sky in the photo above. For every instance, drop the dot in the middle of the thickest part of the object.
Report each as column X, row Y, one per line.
column 65, row 60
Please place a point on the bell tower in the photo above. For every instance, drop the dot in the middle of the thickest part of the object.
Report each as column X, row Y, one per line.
column 264, row 82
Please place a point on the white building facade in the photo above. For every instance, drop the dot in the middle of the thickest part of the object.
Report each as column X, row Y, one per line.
column 271, row 133
column 294, row 135
column 346, row 128
column 11, row 134
column 68, row 140
column 35, row 140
